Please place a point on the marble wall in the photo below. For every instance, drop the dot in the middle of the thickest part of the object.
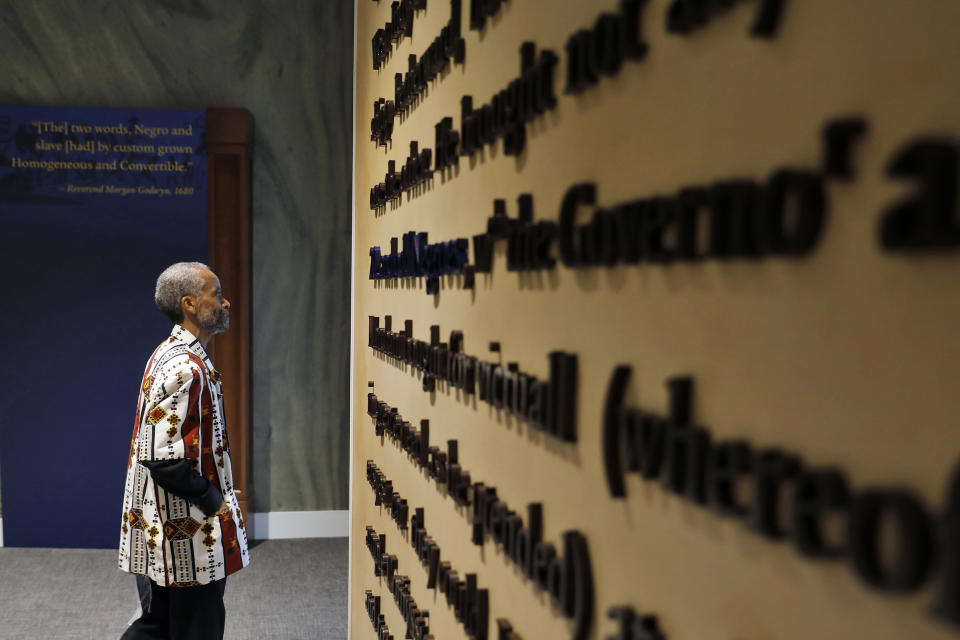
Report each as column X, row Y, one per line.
column 290, row 64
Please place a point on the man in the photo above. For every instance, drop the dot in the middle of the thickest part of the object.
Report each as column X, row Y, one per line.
column 182, row 531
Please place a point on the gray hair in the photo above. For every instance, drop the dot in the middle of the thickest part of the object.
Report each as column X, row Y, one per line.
column 178, row 280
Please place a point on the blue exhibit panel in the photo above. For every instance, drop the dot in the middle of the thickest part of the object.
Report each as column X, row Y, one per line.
column 80, row 250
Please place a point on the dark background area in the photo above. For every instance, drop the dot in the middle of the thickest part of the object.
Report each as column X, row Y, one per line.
column 290, row 65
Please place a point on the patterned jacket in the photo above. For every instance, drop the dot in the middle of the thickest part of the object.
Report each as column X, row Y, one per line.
column 164, row 536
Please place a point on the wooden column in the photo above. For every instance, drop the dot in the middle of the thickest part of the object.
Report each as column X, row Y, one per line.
column 229, row 138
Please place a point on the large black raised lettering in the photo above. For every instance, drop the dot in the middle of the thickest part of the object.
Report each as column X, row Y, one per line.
column 914, row 553
column 926, row 219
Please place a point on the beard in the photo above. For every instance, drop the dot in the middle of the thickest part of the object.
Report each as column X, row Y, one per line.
column 214, row 320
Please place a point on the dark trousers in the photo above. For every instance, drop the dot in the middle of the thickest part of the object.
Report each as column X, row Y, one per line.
column 178, row 613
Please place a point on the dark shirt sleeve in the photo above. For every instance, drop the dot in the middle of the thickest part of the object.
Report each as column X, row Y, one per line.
column 179, row 478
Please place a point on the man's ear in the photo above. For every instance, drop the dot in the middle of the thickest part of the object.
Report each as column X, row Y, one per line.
column 188, row 304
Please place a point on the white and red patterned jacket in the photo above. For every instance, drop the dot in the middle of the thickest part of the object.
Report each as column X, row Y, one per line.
column 178, row 469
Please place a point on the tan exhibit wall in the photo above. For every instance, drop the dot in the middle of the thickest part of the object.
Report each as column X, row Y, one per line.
column 829, row 347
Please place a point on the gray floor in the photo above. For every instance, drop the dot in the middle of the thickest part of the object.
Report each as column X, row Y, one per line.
column 292, row 590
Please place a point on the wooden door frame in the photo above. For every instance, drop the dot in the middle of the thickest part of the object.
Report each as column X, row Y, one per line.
column 229, row 140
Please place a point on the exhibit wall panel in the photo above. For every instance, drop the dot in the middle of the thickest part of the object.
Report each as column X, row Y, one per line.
column 833, row 344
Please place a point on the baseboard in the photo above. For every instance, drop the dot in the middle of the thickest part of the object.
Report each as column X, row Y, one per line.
column 275, row 525
column 1, row 532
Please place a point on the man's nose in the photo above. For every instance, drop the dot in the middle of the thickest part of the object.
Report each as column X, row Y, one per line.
column 226, row 303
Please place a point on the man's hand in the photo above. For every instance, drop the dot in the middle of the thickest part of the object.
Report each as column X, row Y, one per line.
column 223, row 510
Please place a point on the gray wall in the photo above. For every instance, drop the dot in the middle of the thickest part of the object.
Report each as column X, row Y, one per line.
column 289, row 63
